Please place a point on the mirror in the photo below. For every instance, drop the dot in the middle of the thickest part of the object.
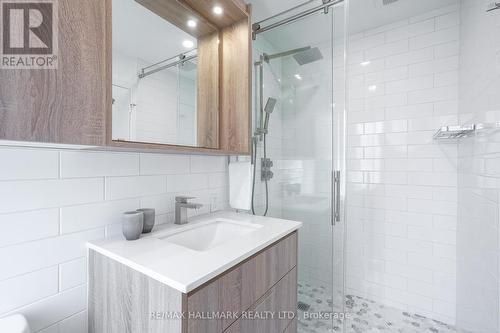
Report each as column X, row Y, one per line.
column 165, row 74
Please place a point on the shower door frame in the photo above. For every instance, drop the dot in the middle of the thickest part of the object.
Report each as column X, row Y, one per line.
column 338, row 136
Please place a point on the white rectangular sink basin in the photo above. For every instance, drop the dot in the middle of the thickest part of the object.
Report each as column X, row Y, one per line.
column 209, row 235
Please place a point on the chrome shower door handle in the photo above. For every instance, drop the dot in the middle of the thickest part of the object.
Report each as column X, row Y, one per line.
column 335, row 197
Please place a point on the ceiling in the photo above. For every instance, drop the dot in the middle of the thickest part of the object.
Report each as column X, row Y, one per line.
column 140, row 33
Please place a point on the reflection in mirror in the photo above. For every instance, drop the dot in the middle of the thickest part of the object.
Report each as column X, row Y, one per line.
column 154, row 78
column 122, row 109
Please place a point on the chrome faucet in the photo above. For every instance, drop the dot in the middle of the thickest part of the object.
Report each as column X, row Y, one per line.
column 181, row 207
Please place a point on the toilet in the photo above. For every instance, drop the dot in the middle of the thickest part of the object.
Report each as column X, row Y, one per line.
column 14, row 324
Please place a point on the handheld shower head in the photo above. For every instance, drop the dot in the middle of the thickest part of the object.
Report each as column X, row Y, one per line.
column 270, row 104
column 268, row 109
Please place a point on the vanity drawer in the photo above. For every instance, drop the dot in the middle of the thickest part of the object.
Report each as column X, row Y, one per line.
column 292, row 326
column 274, row 313
column 238, row 289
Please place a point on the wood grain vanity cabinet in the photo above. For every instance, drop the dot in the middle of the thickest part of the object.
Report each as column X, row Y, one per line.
column 72, row 104
column 124, row 300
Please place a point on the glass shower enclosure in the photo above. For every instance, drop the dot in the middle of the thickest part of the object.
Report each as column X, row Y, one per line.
column 299, row 103
column 377, row 125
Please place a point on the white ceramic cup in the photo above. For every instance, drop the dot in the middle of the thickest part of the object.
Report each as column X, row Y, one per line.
column 132, row 224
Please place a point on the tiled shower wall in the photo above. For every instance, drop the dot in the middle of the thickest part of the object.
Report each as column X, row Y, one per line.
column 402, row 185
column 53, row 201
column 478, row 239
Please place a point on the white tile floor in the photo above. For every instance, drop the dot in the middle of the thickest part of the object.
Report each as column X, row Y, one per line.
column 366, row 316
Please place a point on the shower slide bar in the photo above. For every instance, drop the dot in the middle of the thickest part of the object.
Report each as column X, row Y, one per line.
column 258, row 28
column 457, row 132
column 182, row 59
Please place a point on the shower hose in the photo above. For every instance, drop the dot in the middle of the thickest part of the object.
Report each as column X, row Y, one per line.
column 254, row 158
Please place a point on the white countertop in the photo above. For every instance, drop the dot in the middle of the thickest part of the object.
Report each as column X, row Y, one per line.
column 185, row 269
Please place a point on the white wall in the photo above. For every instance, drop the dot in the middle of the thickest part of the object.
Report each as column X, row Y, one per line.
column 478, row 238
column 156, row 115
column 52, row 201
column 402, row 185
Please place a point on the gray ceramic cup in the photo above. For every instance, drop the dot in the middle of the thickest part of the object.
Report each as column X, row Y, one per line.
column 132, row 224
column 149, row 219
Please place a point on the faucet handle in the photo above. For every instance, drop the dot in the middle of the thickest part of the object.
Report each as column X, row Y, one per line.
column 183, row 199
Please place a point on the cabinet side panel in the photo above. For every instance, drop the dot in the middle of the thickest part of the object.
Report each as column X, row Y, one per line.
column 67, row 104
column 124, row 300
column 235, row 88
column 208, row 91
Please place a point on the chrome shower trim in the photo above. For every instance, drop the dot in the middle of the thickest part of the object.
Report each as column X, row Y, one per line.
column 182, row 58
column 283, row 12
column 257, row 27
column 266, row 57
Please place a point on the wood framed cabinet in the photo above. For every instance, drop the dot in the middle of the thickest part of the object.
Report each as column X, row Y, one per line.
column 124, row 300
column 72, row 102
column 66, row 104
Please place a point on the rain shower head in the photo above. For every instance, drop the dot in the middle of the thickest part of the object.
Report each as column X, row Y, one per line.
column 308, row 56
column 302, row 56
column 266, row 57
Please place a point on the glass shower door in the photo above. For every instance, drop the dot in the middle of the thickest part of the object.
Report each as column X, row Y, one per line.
column 301, row 66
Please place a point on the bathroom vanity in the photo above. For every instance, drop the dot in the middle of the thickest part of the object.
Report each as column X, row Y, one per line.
column 222, row 272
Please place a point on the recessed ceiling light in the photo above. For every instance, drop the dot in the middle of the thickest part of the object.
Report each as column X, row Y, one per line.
column 365, row 63
column 188, row 44
column 298, row 76
column 192, row 23
column 218, row 10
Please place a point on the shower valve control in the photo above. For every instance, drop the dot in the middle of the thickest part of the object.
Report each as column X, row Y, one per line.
column 266, row 173
column 267, row 163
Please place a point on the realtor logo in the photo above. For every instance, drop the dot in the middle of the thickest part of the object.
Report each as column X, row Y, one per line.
column 29, row 34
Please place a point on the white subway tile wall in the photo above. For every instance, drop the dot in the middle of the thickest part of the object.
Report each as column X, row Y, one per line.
column 53, row 201
column 402, row 186
column 478, row 229
column 159, row 108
